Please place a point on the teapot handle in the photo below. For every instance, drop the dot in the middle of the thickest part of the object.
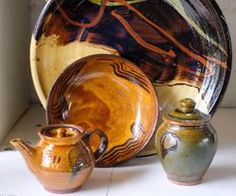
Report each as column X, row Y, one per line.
column 103, row 142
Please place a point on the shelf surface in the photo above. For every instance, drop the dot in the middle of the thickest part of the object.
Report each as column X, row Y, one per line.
column 139, row 177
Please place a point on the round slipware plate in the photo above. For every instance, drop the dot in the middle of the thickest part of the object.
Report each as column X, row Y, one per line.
column 111, row 94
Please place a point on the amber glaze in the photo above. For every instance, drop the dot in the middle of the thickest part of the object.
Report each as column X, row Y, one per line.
column 62, row 161
column 108, row 93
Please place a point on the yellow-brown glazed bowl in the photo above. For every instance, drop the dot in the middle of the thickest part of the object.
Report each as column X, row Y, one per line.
column 109, row 93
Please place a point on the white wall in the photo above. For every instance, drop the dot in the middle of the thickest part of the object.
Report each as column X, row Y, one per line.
column 14, row 74
column 229, row 9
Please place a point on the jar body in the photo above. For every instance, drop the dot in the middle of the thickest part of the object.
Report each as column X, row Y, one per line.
column 186, row 151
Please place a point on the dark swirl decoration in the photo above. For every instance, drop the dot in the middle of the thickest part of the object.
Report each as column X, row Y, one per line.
column 138, row 78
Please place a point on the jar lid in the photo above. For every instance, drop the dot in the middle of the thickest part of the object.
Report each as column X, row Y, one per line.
column 187, row 115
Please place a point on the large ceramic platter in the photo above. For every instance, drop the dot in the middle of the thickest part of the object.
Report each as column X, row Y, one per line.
column 183, row 46
column 108, row 93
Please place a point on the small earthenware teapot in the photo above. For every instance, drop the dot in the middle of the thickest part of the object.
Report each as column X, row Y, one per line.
column 187, row 143
column 62, row 160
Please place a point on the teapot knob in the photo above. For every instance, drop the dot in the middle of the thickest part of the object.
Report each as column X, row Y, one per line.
column 61, row 132
column 187, row 105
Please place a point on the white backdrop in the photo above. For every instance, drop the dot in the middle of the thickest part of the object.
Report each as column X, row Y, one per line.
column 229, row 9
column 14, row 82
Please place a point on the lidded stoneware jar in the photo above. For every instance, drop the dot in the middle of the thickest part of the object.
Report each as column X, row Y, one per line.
column 187, row 143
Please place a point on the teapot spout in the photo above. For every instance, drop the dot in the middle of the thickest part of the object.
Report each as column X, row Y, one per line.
column 26, row 151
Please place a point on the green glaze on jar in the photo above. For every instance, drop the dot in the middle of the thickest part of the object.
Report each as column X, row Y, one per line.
column 187, row 143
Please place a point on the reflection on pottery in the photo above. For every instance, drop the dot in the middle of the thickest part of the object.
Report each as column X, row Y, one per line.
column 187, row 143
column 182, row 46
column 62, row 161
column 109, row 93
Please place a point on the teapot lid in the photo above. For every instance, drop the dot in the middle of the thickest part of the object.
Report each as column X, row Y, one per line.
column 186, row 114
column 60, row 134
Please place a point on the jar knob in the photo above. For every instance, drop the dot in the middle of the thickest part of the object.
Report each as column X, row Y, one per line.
column 187, row 105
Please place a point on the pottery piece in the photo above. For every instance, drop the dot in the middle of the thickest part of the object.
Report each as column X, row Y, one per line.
column 183, row 46
column 62, row 161
column 109, row 93
column 187, row 143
